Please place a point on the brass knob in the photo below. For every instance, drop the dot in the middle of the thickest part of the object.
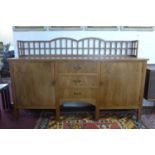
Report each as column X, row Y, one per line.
column 53, row 83
column 100, row 83
column 77, row 67
column 77, row 93
column 77, row 81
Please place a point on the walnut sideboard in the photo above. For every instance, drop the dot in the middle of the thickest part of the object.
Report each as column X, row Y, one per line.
column 106, row 82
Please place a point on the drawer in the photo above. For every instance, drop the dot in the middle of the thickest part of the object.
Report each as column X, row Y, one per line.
column 78, row 93
column 89, row 81
column 77, row 67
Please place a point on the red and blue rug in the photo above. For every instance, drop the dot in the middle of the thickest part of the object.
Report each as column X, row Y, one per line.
column 85, row 120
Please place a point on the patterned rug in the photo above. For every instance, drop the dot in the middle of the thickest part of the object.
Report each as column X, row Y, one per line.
column 85, row 120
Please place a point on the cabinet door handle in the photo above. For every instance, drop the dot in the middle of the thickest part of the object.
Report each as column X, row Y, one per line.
column 53, row 83
column 77, row 67
column 77, row 93
column 77, row 81
column 100, row 83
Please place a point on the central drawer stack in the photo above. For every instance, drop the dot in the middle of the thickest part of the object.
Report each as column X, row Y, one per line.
column 77, row 81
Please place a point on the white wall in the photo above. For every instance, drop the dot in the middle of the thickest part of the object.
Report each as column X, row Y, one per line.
column 146, row 38
column 6, row 34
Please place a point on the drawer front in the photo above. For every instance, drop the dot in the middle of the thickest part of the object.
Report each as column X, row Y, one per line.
column 89, row 81
column 78, row 93
column 77, row 67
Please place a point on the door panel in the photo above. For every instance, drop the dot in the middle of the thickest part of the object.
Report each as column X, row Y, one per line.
column 33, row 84
column 121, row 84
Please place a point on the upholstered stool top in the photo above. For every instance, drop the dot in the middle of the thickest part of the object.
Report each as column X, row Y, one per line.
column 3, row 86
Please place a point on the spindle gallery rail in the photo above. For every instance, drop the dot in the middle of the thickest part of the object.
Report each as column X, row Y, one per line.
column 72, row 47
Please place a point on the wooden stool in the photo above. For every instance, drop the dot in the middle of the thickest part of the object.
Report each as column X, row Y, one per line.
column 5, row 94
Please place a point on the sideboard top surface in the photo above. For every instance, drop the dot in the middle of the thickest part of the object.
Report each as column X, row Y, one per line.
column 79, row 58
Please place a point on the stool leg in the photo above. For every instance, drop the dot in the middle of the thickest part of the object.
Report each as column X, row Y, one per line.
column 8, row 102
column 139, row 113
column 6, row 98
column 16, row 113
column 0, row 114
column 3, row 99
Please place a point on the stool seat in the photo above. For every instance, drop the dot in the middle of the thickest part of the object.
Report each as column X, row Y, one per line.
column 2, row 86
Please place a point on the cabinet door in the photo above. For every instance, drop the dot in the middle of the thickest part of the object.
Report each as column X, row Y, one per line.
column 33, row 84
column 120, row 84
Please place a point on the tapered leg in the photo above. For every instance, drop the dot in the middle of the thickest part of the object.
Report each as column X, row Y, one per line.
column 0, row 114
column 16, row 113
column 5, row 94
column 139, row 113
column 97, row 113
column 8, row 106
column 57, row 112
